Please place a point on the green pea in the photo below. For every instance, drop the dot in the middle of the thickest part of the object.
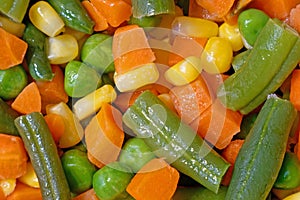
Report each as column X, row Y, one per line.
column 250, row 23
column 80, row 79
column 110, row 181
column 78, row 169
column 12, row 82
column 136, row 154
column 147, row 21
column 97, row 53
column 289, row 174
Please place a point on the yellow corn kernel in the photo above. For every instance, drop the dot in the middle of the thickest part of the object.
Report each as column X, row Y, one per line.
column 73, row 130
column 195, row 27
column 92, row 102
column 11, row 26
column 136, row 78
column 30, row 177
column 295, row 196
column 8, row 186
column 217, row 55
column 62, row 49
column 46, row 19
column 232, row 33
column 184, row 71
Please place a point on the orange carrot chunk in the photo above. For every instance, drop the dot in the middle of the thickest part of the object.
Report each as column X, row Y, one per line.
column 29, row 100
column 218, row 125
column 131, row 48
column 230, row 154
column 155, row 180
column 104, row 136
column 12, row 50
column 114, row 11
column 294, row 18
column 87, row 195
column 24, row 191
column 13, row 157
column 56, row 125
column 218, row 8
column 96, row 15
column 53, row 92
column 295, row 89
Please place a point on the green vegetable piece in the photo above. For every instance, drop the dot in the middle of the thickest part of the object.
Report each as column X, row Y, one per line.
column 147, row 21
column 36, row 55
column 260, row 158
column 80, row 79
column 196, row 193
column 44, row 157
column 78, row 169
column 8, row 115
column 14, row 9
column 73, row 14
column 170, row 138
column 135, row 154
column 240, row 59
column 12, row 82
column 250, row 23
column 142, row 8
column 264, row 61
column 97, row 53
column 286, row 69
column 246, row 125
column 110, row 181
column 289, row 174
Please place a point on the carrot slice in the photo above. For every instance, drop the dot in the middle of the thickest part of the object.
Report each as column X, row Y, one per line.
column 218, row 124
column 131, row 48
column 295, row 89
column 56, row 125
column 230, row 154
column 87, row 195
column 13, row 157
column 29, row 100
column 294, row 18
column 2, row 195
column 96, row 15
column 104, row 136
column 53, row 92
column 275, row 8
column 23, row 191
column 156, row 180
column 114, row 11
column 191, row 100
column 12, row 50
column 218, row 8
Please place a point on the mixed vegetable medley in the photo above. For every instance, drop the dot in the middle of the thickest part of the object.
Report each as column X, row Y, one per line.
column 149, row 99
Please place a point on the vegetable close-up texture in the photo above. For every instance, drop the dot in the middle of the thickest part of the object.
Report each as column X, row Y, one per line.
column 149, row 99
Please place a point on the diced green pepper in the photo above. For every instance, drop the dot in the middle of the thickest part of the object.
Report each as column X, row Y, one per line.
column 14, row 9
column 196, row 193
column 142, row 8
column 8, row 115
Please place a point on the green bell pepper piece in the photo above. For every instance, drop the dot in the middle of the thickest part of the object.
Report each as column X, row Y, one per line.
column 195, row 193
column 8, row 115
column 78, row 169
column 14, row 9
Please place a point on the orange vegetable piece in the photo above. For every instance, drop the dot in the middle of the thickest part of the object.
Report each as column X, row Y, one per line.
column 294, row 18
column 13, row 157
column 12, row 50
column 24, row 191
column 184, row 46
column 275, row 8
column 2, row 195
column 56, row 125
column 218, row 8
column 104, row 136
column 114, row 11
column 28, row 100
column 295, row 89
column 131, row 48
column 155, row 180
column 218, row 124
column 96, row 15
column 87, row 195
column 230, row 154
column 195, row 10
column 191, row 100
column 53, row 92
